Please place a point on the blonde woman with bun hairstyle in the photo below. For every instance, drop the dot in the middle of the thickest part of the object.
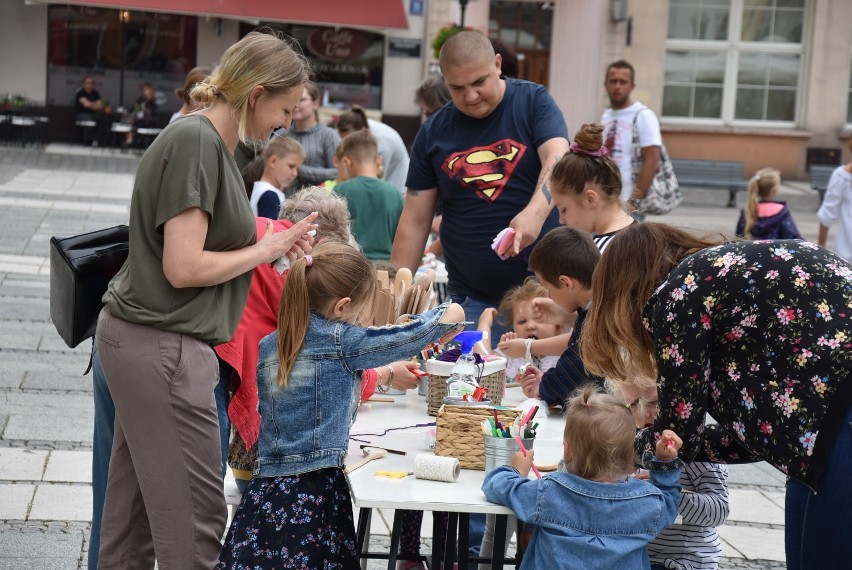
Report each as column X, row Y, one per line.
column 181, row 291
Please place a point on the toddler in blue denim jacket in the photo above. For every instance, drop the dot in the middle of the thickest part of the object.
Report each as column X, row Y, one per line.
column 296, row 511
column 596, row 515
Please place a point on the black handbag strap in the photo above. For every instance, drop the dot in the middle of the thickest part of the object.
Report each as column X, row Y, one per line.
column 91, row 358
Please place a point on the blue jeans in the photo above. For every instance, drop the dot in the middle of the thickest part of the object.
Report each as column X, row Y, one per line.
column 473, row 308
column 817, row 524
column 102, row 445
column 101, row 452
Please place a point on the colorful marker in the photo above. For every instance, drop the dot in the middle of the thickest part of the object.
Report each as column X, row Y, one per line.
column 524, row 450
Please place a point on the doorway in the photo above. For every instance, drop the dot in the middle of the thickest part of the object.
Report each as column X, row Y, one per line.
column 525, row 27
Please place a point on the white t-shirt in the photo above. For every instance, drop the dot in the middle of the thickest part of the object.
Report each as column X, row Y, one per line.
column 618, row 137
column 259, row 189
column 837, row 208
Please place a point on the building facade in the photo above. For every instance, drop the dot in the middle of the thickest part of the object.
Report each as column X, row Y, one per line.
column 765, row 82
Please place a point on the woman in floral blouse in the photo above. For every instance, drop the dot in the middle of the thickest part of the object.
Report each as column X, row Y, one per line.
column 759, row 335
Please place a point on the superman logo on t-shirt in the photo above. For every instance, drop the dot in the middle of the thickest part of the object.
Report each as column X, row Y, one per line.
column 485, row 169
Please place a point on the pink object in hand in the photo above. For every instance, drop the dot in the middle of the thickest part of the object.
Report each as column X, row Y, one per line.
column 503, row 242
column 524, row 451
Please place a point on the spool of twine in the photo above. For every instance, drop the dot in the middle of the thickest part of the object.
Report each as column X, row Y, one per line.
column 435, row 468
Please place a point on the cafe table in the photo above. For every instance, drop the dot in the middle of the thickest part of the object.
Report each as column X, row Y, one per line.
column 404, row 425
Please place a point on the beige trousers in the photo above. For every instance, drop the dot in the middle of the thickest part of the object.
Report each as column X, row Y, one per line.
column 164, row 493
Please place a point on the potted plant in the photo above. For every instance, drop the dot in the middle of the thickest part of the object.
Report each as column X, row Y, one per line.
column 442, row 36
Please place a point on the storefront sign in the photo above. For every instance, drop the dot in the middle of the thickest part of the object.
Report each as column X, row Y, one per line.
column 338, row 44
column 404, row 47
column 348, row 63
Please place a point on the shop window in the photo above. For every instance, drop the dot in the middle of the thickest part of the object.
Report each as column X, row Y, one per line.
column 347, row 63
column 121, row 50
column 734, row 61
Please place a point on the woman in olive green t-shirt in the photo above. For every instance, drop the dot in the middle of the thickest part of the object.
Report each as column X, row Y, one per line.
column 183, row 288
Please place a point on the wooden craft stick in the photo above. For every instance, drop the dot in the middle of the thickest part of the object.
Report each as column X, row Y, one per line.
column 381, row 399
column 384, row 279
column 369, row 456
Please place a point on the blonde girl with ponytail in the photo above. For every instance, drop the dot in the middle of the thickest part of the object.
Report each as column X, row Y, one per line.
column 309, row 378
column 764, row 217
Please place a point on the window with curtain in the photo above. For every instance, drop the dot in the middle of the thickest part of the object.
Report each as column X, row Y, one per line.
column 734, row 61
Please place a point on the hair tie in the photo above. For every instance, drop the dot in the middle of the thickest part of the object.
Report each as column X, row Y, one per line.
column 309, row 260
column 577, row 149
column 212, row 89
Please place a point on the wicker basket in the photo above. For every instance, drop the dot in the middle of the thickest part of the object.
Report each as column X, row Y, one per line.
column 493, row 379
column 459, row 433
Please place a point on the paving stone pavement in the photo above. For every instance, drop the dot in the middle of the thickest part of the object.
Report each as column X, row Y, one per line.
column 46, row 405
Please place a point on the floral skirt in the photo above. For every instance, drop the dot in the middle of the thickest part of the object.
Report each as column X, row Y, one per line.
column 300, row 521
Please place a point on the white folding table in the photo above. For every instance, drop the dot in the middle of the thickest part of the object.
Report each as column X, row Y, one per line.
column 459, row 499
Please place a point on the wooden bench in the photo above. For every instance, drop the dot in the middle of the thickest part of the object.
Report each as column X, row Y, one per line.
column 820, row 174
column 722, row 174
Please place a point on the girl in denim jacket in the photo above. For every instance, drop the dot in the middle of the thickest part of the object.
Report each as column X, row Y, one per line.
column 297, row 511
column 595, row 514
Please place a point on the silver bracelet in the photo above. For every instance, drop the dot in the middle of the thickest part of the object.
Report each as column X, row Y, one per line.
column 383, row 388
column 528, row 349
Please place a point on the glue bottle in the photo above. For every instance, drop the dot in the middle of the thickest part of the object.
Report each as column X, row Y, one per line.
column 462, row 378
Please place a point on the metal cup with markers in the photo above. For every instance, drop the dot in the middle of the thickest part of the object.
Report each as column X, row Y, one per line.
column 501, row 442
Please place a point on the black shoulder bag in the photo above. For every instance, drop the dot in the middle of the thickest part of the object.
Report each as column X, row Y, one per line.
column 81, row 267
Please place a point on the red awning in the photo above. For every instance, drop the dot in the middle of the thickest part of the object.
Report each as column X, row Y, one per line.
column 359, row 13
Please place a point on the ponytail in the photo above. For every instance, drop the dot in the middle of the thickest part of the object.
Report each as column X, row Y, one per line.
column 760, row 187
column 294, row 313
column 333, row 271
column 355, row 119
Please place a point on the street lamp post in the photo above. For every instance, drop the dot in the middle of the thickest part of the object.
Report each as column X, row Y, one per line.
column 463, row 6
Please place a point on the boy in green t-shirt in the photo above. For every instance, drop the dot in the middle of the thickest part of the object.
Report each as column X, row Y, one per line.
column 374, row 205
